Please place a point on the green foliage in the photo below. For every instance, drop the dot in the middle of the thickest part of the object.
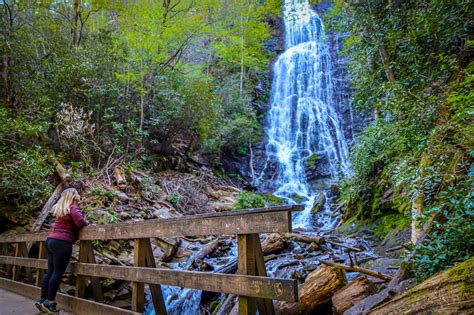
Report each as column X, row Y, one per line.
column 127, row 79
column 174, row 199
column 24, row 181
column 248, row 199
column 452, row 238
column 405, row 73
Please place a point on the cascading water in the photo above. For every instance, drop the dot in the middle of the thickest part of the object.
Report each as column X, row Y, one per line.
column 302, row 121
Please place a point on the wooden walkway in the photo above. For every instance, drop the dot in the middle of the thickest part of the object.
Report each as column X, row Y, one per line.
column 14, row 304
column 252, row 285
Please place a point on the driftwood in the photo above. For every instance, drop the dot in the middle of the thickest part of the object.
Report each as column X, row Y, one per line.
column 358, row 269
column 317, row 290
column 352, row 293
column 449, row 292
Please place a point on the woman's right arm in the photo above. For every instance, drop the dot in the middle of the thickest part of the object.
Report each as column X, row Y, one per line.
column 77, row 216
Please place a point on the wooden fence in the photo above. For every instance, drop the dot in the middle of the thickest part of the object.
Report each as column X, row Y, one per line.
column 251, row 284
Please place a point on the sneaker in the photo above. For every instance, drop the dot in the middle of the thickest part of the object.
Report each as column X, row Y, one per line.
column 38, row 304
column 49, row 307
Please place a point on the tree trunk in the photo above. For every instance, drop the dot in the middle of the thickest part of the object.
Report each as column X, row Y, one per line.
column 75, row 18
column 449, row 292
column 8, row 20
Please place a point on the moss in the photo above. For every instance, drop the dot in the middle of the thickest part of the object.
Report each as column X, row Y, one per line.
column 391, row 223
column 297, row 198
column 248, row 199
column 272, row 199
column 311, row 161
column 464, row 272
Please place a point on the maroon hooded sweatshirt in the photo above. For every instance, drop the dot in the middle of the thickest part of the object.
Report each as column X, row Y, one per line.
column 67, row 228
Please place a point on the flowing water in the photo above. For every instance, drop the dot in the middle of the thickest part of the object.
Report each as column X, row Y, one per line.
column 302, row 121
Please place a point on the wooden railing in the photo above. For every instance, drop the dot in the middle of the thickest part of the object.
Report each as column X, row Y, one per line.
column 251, row 284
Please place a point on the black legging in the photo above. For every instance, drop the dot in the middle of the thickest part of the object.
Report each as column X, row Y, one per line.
column 59, row 253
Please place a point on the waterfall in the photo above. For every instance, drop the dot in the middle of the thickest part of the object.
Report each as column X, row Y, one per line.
column 302, row 121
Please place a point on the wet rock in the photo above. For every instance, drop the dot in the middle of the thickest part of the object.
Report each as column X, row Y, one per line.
column 318, row 204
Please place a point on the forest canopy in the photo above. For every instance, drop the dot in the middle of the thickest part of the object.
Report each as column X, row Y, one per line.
column 83, row 80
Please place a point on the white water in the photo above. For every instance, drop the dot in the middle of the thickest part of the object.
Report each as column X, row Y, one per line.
column 302, row 120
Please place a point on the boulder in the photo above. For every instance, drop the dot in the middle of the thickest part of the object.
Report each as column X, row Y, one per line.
column 318, row 204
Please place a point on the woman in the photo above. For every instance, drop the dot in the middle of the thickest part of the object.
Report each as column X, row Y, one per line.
column 69, row 220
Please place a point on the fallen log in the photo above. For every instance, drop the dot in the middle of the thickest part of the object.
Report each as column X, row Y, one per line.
column 352, row 293
column 272, row 243
column 358, row 269
column 355, row 249
column 306, row 239
column 317, row 290
column 448, row 292
column 320, row 285
column 65, row 177
column 202, row 253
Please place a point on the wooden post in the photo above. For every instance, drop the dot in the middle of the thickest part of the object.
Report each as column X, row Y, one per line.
column 21, row 251
column 95, row 282
column 138, row 288
column 155, row 289
column 4, row 251
column 86, row 255
column 41, row 255
column 246, row 266
column 265, row 306
column 81, row 280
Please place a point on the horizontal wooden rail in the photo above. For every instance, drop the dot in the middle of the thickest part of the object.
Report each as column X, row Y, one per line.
column 251, row 286
column 70, row 303
column 259, row 220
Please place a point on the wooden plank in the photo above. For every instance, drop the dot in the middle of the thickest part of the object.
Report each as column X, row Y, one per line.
column 192, row 226
column 251, row 286
column 81, row 280
column 246, row 266
column 24, row 237
column 259, row 220
column 265, row 306
column 138, row 288
column 69, row 303
column 155, row 289
column 39, row 271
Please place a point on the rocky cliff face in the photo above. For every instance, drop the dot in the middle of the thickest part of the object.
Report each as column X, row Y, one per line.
column 352, row 121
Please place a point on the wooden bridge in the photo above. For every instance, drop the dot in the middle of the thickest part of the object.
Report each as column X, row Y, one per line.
column 255, row 289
